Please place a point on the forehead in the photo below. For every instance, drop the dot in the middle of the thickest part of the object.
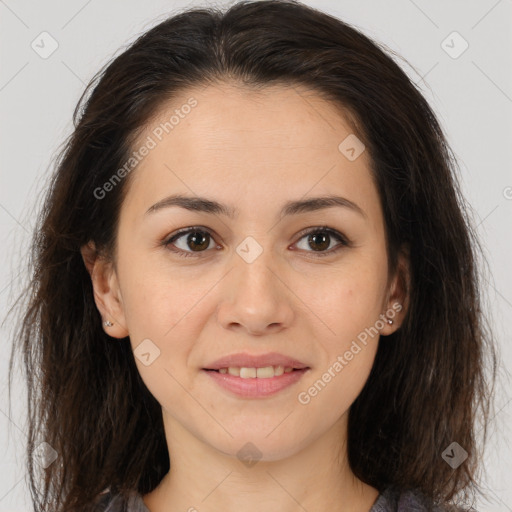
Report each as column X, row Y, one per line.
column 288, row 117
column 231, row 141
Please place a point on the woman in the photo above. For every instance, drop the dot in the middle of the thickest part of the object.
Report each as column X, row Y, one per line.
column 254, row 281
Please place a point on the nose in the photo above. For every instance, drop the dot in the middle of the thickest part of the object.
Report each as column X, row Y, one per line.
column 256, row 297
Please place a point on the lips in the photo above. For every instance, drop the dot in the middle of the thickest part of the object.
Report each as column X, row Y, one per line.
column 249, row 388
column 244, row 360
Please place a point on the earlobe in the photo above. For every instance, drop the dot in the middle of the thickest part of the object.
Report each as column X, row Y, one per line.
column 107, row 294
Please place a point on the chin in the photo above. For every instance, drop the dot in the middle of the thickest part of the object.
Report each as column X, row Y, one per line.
column 257, row 446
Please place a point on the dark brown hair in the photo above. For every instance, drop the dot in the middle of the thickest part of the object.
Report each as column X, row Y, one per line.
column 428, row 383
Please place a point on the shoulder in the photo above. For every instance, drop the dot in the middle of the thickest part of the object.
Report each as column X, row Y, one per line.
column 120, row 502
column 394, row 500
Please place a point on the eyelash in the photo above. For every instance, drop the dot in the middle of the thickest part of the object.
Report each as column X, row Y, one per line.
column 320, row 254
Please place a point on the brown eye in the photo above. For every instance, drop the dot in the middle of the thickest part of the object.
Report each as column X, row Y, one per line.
column 319, row 240
column 198, row 240
column 190, row 241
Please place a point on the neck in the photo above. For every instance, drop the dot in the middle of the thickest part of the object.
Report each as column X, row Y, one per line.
column 315, row 478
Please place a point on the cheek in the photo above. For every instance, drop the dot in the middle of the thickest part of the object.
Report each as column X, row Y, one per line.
column 154, row 300
column 158, row 315
column 348, row 351
column 348, row 299
column 165, row 313
column 334, row 388
column 346, row 307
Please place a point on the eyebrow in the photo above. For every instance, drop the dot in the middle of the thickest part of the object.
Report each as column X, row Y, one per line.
column 202, row 204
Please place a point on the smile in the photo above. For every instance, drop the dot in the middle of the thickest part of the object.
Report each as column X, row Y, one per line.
column 256, row 382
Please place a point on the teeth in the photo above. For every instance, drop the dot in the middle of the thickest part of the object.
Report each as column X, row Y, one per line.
column 260, row 373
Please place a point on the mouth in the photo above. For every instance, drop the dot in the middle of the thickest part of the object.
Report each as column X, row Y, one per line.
column 266, row 372
column 264, row 365
column 253, row 383
column 255, row 375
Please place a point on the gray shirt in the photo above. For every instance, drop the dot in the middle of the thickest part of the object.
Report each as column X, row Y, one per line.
column 388, row 500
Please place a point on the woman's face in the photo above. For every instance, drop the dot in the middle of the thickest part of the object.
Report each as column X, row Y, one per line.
column 254, row 282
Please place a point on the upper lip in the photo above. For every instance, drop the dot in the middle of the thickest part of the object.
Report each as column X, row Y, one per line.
column 242, row 360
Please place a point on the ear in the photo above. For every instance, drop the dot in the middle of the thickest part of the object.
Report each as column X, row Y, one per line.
column 398, row 298
column 107, row 294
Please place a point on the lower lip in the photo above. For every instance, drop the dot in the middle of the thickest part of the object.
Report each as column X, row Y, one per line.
column 254, row 387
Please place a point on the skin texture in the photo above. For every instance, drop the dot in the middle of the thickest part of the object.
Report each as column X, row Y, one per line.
column 253, row 151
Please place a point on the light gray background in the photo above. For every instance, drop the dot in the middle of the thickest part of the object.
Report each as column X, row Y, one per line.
column 471, row 94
